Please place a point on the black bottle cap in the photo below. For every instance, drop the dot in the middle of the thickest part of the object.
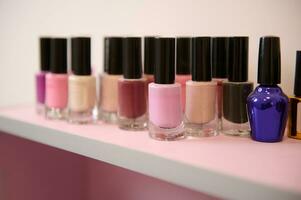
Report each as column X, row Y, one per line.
column 58, row 55
column 238, row 59
column 131, row 54
column 184, row 55
column 81, row 55
column 269, row 61
column 297, row 88
column 149, row 54
column 165, row 61
column 201, row 66
column 45, row 53
column 220, row 56
column 113, row 55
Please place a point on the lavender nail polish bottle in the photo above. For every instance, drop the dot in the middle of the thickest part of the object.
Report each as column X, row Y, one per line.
column 268, row 105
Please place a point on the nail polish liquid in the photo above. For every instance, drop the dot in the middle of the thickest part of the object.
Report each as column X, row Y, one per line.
column 237, row 89
column 183, row 64
column 57, row 80
column 40, row 77
column 200, row 112
column 294, row 118
column 108, row 98
column 131, row 88
column 82, row 85
column 268, row 105
column 165, row 112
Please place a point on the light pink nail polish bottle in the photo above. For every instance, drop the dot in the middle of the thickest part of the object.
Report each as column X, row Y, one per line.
column 57, row 80
column 201, row 93
column 183, row 64
column 165, row 111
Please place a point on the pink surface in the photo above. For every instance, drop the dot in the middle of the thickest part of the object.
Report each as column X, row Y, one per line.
column 274, row 164
column 56, row 90
column 32, row 171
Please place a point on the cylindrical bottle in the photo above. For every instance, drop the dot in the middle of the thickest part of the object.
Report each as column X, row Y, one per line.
column 183, row 64
column 82, row 85
column 149, row 61
column 165, row 112
column 57, row 80
column 268, row 105
column 40, row 77
column 131, row 88
column 237, row 89
column 108, row 98
column 200, row 112
column 220, row 62
column 294, row 119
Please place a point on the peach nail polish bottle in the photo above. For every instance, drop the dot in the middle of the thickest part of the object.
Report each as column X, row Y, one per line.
column 82, row 85
column 200, row 112
column 183, row 64
column 57, row 80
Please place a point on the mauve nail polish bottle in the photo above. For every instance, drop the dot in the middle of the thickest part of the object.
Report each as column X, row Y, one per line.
column 268, row 105
column 220, row 62
column 183, row 64
column 237, row 89
column 165, row 112
column 40, row 77
column 132, row 88
column 200, row 112
column 294, row 118
column 82, row 84
column 57, row 80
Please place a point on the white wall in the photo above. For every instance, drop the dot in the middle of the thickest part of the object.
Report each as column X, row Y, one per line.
column 22, row 22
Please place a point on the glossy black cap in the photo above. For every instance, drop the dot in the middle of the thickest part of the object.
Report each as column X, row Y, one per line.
column 58, row 55
column 45, row 53
column 219, row 56
column 149, row 54
column 297, row 88
column 81, row 55
column 164, row 72
column 113, row 55
column 269, row 61
column 238, row 59
column 131, row 54
column 201, row 66
column 184, row 55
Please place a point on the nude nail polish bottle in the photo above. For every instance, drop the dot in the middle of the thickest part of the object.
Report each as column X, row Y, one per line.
column 40, row 77
column 131, row 88
column 220, row 61
column 108, row 98
column 183, row 64
column 57, row 80
column 165, row 112
column 201, row 99
column 82, row 85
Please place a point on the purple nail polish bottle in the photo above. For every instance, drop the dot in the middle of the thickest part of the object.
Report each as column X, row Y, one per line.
column 40, row 76
column 268, row 105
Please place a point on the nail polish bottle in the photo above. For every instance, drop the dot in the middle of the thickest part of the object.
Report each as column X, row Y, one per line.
column 109, row 80
column 57, row 80
column 220, row 62
column 41, row 76
column 267, row 105
column 149, row 61
column 165, row 112
column 200, row 112
column 82, row 85
column 132, row 87
column 237, row 89
column 294, row 119
column 183, row 64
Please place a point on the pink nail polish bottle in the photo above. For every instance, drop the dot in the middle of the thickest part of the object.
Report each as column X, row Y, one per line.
column 183, row 64
column 41, row 76
column 57, row 80
column 165, row 111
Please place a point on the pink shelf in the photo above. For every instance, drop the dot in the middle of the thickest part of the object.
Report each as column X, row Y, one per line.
column 227, row 167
